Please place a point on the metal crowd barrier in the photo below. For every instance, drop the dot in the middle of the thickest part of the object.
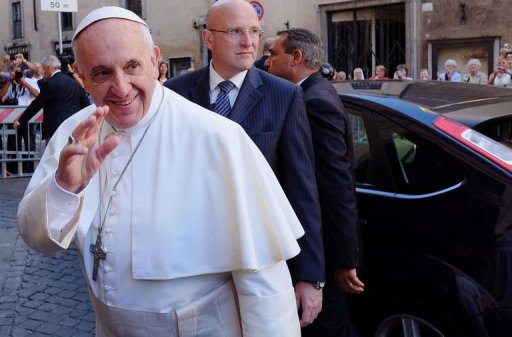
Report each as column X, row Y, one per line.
column 19, row 153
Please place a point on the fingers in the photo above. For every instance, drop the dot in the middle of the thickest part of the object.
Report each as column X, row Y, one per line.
column 87, row 132
column 81, row 158
column 309, row 301
column 347, row 280
column 107, row 147
column 310, row 311
column 354, row 285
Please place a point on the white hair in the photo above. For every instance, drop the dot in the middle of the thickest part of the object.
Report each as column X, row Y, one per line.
column 474, row 61
column 450, row 62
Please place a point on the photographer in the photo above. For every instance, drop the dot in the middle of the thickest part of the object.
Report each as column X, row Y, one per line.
column 20, row 90
column 401, row 73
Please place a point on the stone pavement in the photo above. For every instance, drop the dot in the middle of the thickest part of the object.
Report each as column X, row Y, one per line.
column 39, row 295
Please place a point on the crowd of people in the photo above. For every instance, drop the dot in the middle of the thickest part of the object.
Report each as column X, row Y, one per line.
column 50, row 85
column 501, row 76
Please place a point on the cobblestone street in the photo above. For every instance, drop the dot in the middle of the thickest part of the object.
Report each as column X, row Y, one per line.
column 40, row 296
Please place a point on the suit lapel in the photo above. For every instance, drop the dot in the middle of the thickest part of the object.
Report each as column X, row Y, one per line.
column 201, row 92
column 248, row 96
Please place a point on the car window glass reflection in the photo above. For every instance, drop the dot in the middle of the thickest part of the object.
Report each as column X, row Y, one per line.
column 419, row 165
column 361, row 148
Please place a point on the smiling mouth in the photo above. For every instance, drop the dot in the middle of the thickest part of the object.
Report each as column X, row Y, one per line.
column 123, row 103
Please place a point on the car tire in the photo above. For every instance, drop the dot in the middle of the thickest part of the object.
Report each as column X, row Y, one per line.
column 411, row 317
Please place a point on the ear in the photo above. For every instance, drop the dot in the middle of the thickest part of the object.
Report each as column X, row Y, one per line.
column 297, row 57
column 154, row 59
column 77, row 70
column 207, row 38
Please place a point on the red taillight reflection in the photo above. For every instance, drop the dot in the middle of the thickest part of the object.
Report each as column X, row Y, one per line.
column 494, row 151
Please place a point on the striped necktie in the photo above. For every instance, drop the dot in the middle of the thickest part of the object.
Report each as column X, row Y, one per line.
column 222, row 105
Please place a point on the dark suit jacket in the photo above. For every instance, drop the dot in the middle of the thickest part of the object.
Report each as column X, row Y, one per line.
column 260, row 63
column 60, row 97
column 271, row 110
column 332, row 142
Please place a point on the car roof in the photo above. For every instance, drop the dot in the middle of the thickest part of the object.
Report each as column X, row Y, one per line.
column 463, row 102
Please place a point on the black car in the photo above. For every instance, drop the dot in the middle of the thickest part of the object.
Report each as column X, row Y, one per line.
column 433, row 168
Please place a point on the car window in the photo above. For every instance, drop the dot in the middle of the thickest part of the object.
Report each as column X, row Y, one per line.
column 370, row 167
column 361, row 147
column 419, row 165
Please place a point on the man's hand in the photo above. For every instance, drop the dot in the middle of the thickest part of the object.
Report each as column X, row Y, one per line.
column 15, row 124
column 81, row 158
column 347, row 280
column 309, row 299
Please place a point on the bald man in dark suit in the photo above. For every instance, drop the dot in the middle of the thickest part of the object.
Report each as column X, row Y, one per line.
column 272, row 112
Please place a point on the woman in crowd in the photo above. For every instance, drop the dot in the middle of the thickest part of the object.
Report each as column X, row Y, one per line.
column 340, row 76
column 508, row 56
column 358, row 74
column 163, row 69
column 450, row 74
column 401, row 73
column 380, row 73
column 475, row 75
column 500, row 77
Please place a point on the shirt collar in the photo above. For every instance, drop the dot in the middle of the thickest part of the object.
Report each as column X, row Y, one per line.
column 215, row 78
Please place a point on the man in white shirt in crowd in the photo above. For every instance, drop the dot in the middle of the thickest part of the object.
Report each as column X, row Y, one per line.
column 181, row 225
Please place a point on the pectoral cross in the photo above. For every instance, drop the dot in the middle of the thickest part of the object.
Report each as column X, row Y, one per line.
column 98, row 254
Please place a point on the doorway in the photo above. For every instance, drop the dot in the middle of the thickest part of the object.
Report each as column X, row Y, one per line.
column 366, row 38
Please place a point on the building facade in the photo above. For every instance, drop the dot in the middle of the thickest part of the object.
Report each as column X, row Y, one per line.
column 360, row 33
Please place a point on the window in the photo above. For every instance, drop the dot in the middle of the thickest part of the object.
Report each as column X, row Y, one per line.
column 461, row 50
column 370, row 165
column 366, row 38
column 17, row 32
column 361, row 147
column 135, row 6
column 179, row 65
column 419, row 166
column 391, row 158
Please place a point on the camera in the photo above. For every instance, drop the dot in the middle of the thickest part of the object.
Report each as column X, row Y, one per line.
column 18, row 75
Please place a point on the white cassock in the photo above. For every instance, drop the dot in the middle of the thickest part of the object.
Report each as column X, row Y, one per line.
column 196, row 235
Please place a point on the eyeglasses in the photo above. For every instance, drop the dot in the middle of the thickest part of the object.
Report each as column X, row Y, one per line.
column 236, row 33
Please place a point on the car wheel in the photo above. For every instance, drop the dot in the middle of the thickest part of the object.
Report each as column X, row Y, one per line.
column 415, row 318
column 405, row 325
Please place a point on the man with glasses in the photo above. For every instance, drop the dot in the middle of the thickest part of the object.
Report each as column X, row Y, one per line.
column 271, row 110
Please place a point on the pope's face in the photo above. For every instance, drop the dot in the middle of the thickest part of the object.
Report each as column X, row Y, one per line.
column 118, row 69
column 231, row 56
